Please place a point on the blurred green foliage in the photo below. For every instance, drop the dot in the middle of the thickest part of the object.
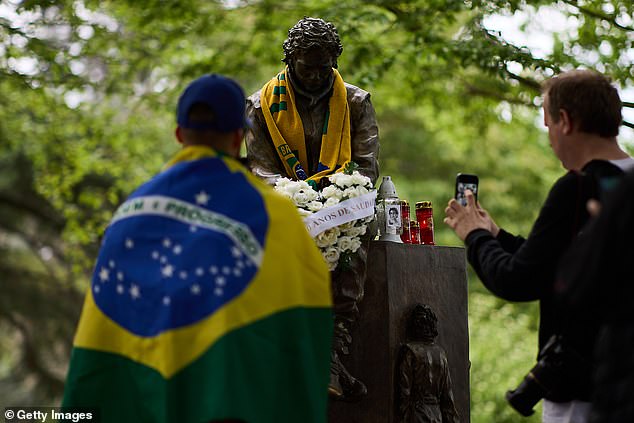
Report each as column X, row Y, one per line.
column 87, row 97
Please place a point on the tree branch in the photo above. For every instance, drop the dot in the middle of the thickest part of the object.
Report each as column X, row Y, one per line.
column 479, row 91
column 32, row 359
column 32, row 206
column 530, row 83
column 627, row 104
column 628, row 124
column 598, row 15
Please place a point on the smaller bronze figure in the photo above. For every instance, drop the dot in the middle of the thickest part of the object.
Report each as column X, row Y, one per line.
column 423, row 372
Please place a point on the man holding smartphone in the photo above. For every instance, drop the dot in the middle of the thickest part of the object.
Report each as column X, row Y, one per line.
column 582, row 111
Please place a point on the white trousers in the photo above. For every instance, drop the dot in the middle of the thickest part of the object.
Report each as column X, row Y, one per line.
column 565, row 412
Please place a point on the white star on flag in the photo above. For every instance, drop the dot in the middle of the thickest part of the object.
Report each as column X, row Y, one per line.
column 218, row 291
column 167, row 243
column 193, row 228
column 166, row 301
column 135, row 292
column 129, row 243
column 167, row 271
column 235, row 252
column 120, row 289
column 202, row 198
column 195, row 289
column 104, row 274
column 97, row 289
column 155, row 255
column 177, row 249
column 221, row 281
column 111, row 263
column 199, row 271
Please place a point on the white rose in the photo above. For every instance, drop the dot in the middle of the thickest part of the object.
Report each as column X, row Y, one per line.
column 335, row 177
column 295, row 186
column 362, row 228
column 300, row 198
column 346, row 226
column 359, row 179
column 304, row 212
column 331, row 191
column 353, row 232
column 344, row 180
column 315, row 206
column 282, row 190
column 312, row 195
column 331, row 202
column 304, row 196
column 332, row 257
column 356, row 243
column 344, row 243
column 327, row 237
column 353, row 192
column 282, row 183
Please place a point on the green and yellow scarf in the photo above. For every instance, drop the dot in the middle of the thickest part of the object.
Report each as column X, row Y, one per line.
column 287, row 132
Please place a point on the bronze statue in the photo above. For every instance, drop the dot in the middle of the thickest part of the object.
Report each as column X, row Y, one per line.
column 424, row 381
column 306, row 124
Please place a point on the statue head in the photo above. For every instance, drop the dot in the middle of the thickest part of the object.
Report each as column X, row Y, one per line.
column 311, row 51
column 422, row 325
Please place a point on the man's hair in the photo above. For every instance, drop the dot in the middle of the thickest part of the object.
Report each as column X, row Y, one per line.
column 590, row 99
column 311, row 33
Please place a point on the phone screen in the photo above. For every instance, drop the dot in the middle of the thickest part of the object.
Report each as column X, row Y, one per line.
column 462, row 186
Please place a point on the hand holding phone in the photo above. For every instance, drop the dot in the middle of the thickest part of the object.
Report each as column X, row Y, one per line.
column 465, row 181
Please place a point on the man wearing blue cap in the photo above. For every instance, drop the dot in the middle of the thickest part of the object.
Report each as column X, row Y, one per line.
column 209, row 302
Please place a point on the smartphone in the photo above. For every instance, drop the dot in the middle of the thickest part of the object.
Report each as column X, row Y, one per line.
column 465, row 181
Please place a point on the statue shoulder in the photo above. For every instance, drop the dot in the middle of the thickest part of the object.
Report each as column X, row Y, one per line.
column 254, row 100
column 411, row 347
column 356, row 94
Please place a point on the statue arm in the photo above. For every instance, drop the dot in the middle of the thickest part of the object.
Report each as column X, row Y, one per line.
column 365, row 137
column 405, row 384
column 261, row 156
column 447, row 405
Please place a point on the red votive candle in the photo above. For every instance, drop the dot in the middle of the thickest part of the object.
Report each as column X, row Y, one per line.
column 405, row 234
column 414, row 229
column 425, row 218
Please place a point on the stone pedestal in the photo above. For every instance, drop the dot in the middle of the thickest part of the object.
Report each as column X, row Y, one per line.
column 399, row 276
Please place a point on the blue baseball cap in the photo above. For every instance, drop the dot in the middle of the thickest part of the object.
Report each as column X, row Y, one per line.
column 222, row 95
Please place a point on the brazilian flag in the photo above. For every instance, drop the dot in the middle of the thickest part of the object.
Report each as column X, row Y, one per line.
column 209, row 301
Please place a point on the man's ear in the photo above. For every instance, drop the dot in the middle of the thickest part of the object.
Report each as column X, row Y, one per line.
column 566, row 121
column 236, row 142
column 179, row 135
column 238, row 136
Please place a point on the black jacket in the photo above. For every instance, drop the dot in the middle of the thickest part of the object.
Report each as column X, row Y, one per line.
column 519, row 269
column 597, row 282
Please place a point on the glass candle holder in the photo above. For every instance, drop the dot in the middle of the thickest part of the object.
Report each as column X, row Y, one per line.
column 425, row 218
column 414, row 229
column 405, row 221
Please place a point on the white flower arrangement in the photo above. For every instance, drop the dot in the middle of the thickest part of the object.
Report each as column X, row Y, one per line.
column 339, row 243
